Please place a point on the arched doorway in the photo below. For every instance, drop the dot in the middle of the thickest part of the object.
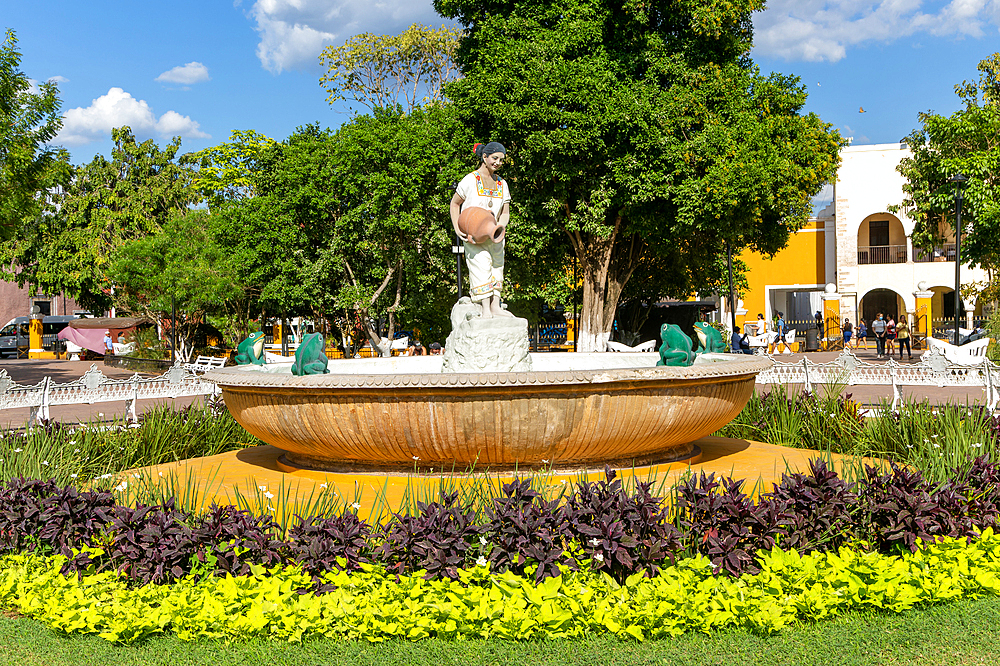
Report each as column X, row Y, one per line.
column 884, row 301
column 881, row 240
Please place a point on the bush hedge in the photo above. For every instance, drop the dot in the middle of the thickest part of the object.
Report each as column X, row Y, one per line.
column 599, row 526
column 375, row 604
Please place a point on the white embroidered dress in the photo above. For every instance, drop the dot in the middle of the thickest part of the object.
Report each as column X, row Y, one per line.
column 485, row 260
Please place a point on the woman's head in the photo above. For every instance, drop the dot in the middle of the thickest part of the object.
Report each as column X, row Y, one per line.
column 492, row 154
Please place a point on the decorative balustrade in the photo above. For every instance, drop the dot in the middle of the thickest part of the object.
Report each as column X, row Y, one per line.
column 94, row 386
column 881, row 254
column 933, row 369
column 944, row 253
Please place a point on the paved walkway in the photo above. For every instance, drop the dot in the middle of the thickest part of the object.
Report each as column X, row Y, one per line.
column 31, row 371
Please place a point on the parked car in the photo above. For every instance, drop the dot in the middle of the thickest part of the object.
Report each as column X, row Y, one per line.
column 14, row 334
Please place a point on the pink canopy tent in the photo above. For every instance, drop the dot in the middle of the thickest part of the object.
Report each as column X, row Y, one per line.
column 88, row 338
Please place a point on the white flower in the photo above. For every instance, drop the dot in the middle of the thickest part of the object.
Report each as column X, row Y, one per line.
column 599, row 557
column 937, row 446
column 137, row 476
column 100, row 413
column 121, row 486
column 544, row 461
column 73, row 476
column 161, row 473
column 270, row 508
column 416, row 457
column 72, row 442
column 45, row 462
column 324, row 485
column 262, row 488
column 355, row 506
column 481, row 561
column 482, row 540
column 76, row 450
column 18, row 450
column 595, row 542
column 269, row 495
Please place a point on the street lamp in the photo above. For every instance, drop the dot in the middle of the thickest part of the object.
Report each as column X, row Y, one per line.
column 959, row 179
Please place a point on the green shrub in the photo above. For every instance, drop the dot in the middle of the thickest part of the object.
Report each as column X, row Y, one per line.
column 375, row 606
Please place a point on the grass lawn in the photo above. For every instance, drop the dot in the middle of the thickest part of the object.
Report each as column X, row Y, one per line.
column 965, row 632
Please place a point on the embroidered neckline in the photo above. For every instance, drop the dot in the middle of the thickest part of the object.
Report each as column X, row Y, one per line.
column 483, row 192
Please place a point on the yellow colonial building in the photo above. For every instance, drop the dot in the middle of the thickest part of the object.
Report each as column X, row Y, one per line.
column 855, row 259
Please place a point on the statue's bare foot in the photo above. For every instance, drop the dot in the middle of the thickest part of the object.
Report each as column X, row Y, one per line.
column 497, row 310
column 487, row 313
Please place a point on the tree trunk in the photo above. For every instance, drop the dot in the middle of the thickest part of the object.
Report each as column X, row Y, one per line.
column 606, row 265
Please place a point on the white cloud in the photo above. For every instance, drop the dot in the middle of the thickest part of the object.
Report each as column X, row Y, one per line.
column 117, row 108
column 817, row 30
column 293, row 32
column 59, row 79
column 193, row 72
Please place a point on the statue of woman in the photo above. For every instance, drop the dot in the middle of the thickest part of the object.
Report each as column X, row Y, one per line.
column 484, row 188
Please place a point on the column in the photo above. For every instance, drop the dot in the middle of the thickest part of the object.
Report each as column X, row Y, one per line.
column 831, row 318
column 35, row 337
column 923, row 316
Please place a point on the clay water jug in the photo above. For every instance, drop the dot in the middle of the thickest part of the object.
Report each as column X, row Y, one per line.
column 480, row 225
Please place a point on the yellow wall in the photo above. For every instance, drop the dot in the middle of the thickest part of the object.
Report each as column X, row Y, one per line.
column 803, row 261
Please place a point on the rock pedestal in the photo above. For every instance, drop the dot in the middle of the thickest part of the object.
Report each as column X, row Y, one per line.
column 499, row 344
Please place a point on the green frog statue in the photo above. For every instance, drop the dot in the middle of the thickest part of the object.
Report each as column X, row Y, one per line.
column 676, row 348
column 709, row 338
column 310, row 357
column 251, row 350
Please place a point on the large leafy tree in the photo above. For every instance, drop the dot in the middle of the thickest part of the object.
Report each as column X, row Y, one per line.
column 29, row 120
column 639, row 133
column 181, row 264
column 106, row 205
column 967, row 142
column 372, row 202
column 383, row 71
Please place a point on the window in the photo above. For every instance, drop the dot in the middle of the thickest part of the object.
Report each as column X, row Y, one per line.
column 9, row 330
column 878, row 232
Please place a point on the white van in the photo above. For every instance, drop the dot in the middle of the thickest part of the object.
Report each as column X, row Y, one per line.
column 14, row 335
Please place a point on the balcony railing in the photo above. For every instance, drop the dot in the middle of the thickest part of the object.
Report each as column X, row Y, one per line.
column 881, row 254
column 944, row 253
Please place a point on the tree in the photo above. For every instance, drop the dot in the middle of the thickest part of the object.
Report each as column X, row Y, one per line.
column 183, row 263
column 639, row 131
column 29, row 120
column 372, row 200
column 106, row 205
column 229, row 171
column 967, row 142
column 383, row 71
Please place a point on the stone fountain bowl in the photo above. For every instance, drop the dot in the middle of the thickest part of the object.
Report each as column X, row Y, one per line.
column 572, row 410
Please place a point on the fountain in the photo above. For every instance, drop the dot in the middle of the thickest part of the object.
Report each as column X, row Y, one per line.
column 569, row 411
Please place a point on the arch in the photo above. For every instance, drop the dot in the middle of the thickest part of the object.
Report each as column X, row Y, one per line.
column 909, row 301
column 881, row 239
column 883, row 300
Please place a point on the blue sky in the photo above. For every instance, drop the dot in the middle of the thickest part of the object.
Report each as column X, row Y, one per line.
column 202, row 69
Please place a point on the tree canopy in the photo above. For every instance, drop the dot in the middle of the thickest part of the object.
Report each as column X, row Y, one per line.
column 967, row 142
column 383, row 71
column 107, row 204
column 29, row 120
column 639, row 134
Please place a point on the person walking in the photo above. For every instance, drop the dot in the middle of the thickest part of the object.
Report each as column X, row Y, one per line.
column 903, row 336
column 878, row 328
column 781, row 329
column 862, row 335
column 890, row 337
column 848, row 332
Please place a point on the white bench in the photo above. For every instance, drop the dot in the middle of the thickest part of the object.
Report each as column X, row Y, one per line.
column 647, row 346
column 205, row 363
column 972, row 353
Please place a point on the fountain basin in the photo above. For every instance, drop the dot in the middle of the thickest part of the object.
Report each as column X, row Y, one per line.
column 571, row 410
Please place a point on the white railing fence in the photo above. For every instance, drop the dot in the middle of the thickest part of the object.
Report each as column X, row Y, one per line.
column 933, row 369
column 95, row 387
